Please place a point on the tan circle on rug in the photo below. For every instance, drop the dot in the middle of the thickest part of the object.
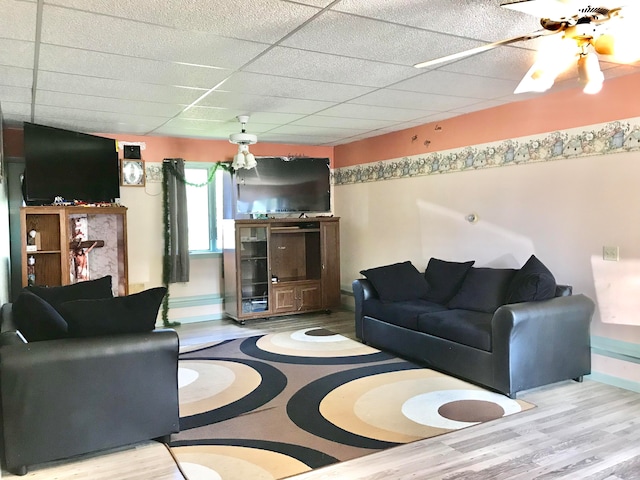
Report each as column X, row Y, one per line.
column 313, row 342
column 202, row 462
column 374, row 406
column 214, row 384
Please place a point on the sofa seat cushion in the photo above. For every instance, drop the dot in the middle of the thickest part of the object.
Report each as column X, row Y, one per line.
column 461, row 326
column 403, row 314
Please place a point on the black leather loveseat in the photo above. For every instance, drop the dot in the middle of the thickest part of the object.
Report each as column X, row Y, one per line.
column 86, row 388
column 508, row 330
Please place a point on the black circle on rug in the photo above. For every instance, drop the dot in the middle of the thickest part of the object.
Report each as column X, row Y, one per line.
column 304, row 406
column 251, row 347
column 273, row 381
column 310, row 457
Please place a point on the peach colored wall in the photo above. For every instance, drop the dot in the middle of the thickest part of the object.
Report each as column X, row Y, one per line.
column 546, row 113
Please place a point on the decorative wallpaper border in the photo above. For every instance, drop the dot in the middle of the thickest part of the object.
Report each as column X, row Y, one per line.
column 601, row 139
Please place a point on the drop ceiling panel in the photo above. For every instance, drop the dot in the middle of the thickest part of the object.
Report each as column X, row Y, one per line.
column 18, row 20
column 81, row 118
column 352, row 36
column 105, row 104
column 414, row 100
column 389, row 114
column 283, row 86
column 16, row 94
column 341, row 122
column 259, row 20
column 458, row 84
column 100, row 33
column 16, row 53
column 16, row 77
column 329, row 68
column 105, row 65
column 261, row 103
column 120, row 89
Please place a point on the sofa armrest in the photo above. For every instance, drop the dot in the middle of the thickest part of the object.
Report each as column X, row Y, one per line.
column 362, row 290
column 543, row 342
column 66, row 397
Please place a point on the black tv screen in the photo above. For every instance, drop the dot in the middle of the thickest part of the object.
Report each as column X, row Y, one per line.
column 284, row 185
column 72, row 165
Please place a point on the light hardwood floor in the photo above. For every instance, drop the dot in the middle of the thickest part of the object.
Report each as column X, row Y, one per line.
column 578, row 431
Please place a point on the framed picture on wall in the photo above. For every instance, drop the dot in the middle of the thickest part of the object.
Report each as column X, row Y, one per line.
column 132, row 173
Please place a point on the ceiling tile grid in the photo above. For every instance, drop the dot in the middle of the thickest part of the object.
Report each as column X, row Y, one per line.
column 316, row 72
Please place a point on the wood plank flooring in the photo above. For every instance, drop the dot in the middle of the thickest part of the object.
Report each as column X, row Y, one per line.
column 587, row 431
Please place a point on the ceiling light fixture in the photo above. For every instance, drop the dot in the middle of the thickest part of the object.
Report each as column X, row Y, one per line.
column 244, row 158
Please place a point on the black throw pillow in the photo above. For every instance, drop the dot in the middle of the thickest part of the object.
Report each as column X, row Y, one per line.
column 107, row 316
column 397, row 282
column 36, row 319
column 444, row 279
column 90, row 289
column 534, row 281
column 483, row 289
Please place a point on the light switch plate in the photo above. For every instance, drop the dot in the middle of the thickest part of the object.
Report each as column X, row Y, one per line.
column 610, row 253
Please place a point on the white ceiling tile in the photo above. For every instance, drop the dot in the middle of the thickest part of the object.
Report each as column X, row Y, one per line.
column 390, row 114
column 120, row 89
column 298, row 139
column 262, row 20
column 83, row 62
column 18, row 20
column 458, row 84
column 302, row 130
column 341, row 122
column 105, row 104
column 210, row 113
column 16, row 53
column 72, row 28
column 94, row 117
column 16, row 77
column 15, row 94
column 16, row 109
column 359, row 37
column 283, row 86
column 413, row 100
column 261, row 103
column 329, row 68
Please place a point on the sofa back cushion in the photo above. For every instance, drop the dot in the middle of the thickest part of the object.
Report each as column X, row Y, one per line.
column 534, row 281
column 397, row 282
column 36, row 319
column 90, row 289
column 108, row 316
column 444, row 279
column 483, row 289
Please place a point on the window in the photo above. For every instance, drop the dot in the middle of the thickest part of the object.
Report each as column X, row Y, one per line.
column 204, row 208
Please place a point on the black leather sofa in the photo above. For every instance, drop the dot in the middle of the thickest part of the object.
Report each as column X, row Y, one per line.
column 515, row 347
column 71, row 396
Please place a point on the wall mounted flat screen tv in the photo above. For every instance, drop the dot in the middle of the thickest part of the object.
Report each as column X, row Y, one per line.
column 284, row 185
column 67, row 164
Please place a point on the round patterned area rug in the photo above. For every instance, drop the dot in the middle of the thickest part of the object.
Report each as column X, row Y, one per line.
column 277, row 405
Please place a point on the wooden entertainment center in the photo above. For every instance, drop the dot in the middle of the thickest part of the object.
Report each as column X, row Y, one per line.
column 281, row 266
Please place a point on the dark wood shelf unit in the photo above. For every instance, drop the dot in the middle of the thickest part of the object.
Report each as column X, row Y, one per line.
column 281, row 266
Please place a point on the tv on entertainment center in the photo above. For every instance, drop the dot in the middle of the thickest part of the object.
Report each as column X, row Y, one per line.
column 72, row 165
column 283, row 185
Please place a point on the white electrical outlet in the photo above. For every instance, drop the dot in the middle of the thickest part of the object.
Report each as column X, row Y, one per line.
column 611, row 254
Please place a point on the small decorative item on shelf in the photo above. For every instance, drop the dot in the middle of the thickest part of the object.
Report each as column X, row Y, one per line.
column 33, row 241
column 31, row 270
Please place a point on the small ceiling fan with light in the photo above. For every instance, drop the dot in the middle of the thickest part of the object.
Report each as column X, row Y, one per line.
column 576, row 33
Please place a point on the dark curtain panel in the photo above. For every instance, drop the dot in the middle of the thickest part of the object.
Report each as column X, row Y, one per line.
column 177, row 237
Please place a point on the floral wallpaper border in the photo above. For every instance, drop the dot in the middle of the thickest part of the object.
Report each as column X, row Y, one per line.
column 600, row 139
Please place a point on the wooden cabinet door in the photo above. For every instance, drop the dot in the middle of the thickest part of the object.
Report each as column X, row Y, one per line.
column 309, row 297
column 330, row 275
column 284, row 299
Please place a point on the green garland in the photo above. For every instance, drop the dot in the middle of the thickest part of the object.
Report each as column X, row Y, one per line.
column 169, row 169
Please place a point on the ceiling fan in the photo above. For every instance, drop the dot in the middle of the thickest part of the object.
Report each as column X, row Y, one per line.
column 576, row 31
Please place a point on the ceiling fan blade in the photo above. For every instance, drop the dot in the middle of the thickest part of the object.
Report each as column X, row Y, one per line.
column 483, row 48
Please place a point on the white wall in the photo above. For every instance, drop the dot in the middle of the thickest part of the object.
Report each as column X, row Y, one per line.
column 563, row 211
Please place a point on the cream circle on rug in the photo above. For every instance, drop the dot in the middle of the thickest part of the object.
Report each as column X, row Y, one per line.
column 374, row 406
column 194, row 471
column 427, row 408
column 217, row 383
column 186, row 376
column 312, row 342
column 237, row 463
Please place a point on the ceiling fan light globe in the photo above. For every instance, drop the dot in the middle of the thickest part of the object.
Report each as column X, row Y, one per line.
column 605, row 44
column 250, row 161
